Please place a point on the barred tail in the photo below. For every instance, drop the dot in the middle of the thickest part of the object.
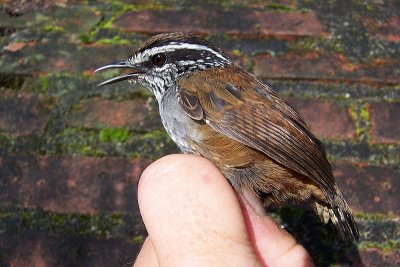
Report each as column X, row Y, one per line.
column 340, row 214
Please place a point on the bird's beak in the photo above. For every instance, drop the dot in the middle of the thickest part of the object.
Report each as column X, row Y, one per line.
column 135, row 73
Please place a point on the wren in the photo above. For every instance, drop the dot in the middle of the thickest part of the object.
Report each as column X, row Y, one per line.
column 212, row 107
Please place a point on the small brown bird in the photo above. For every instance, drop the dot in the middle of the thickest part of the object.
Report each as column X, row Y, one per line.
column 212, row 107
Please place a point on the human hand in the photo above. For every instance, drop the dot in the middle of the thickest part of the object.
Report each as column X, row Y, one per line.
column 194, row 218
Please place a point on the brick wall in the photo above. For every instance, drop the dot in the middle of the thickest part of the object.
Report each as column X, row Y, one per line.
column 71, row 153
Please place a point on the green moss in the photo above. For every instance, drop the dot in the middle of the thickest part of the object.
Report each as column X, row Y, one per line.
column 139, row 239
column 372, row 216
column 114, row 135
column 364, row 113
column 107, row 24
column 236, row 52
column 155, row 133
column 386, row 154
column 248, row 64
column 152, row 145
column 362, row 151
column 360, row 114
column 100, row 225
column 354, row 116
column 110, row 142
column 309, row 44
column 77, row 141
column 334, row 45
column 387, row 246
column 56, row 84
column 305, row 10
column 86, row 38
column 280, row 7
column 115, row 40
column 53, row 28
column 123, row 7
column 365, row 121
column 44, row 81
column 304, row 45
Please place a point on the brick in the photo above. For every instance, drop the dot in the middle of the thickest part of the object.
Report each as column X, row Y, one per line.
column 23, row 113
column 389, row 29
column 36, row 249
column 326, row 119
column 237, row 22
column 324, row 66
column 385, row 122
column 49, row 15
column 375, row 257
column 14, row 47
column 71, row 184
column 58, row 55
column 20, row 7
column 371, row 189
column 137, row 114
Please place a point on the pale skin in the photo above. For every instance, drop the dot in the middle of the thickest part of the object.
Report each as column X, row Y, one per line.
column 195, row 218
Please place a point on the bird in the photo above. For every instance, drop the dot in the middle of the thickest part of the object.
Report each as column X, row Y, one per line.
column 212, row 107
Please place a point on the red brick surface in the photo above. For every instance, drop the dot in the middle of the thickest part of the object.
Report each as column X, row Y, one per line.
column 70, row 184
column 244, row 22
column 389, row 29
column 370, row 257
column 326, row 119
column 23, row 113
column 137, row 114
column 385, row 120
column 21, row 6
column 370, row 189
column 61, row 57
column 49, row 105
column 321, row 66
column 40, row 250
column 91, row 185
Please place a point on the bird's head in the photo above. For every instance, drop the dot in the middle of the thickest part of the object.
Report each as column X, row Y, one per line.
column 160, row 61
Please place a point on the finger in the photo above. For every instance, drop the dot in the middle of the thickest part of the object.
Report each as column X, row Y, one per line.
column 147, row 256
column 273, row 245
column 192, row 214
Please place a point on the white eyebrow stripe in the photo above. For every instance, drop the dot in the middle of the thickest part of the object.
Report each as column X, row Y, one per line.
column 176, row 46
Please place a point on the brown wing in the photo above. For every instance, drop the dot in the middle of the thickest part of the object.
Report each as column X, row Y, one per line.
column 189, row 101
column 248, row 111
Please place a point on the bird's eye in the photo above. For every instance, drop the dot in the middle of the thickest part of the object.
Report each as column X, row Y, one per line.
column 159, row 59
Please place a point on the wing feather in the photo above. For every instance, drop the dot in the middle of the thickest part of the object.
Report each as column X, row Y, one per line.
column 251, row 113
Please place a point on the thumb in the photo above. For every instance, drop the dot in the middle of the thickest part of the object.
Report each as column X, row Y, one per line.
column 192, row 214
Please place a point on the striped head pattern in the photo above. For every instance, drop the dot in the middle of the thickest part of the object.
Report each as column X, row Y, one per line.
column 160, row 61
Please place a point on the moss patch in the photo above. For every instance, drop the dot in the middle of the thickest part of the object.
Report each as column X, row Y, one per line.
column 360, row 114
column 279, row 7
column 372, row 216
column 388, row 246
column 100, row 226
column 114, row 135
column 363, row 152
column 115, row 40
column 111, row 142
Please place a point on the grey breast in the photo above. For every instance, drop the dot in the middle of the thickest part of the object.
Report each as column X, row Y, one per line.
column 182, row 129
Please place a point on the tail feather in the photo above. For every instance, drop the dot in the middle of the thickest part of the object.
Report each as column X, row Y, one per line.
column 340, row 214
